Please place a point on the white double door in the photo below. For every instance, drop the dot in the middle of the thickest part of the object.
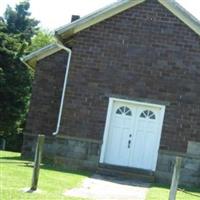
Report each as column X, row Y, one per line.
column 133, row 135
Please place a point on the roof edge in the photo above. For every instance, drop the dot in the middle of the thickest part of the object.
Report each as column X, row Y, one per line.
column 105, row 13
column 185, row 16
column 70, row 29
column 39, row 54
column 95, row 17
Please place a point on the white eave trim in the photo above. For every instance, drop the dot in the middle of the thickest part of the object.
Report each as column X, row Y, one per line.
column 182, row 14
column 105, row 13
column 95, row 17
column 32, row 58
column 117, row 7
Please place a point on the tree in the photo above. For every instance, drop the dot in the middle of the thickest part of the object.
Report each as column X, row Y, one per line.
column 19, row 21
column 41, row 39
column 16, row 31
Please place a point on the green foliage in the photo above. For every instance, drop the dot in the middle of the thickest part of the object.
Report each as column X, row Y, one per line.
column 16, row 31
column 41, row 39
column 15, row 90
column 13, row 142
column 19, row 21
column 53, row 181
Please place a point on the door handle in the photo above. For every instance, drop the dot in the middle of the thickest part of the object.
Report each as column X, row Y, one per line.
column 129, row 144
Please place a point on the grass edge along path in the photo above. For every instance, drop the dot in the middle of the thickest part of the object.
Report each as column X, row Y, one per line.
column 15, row 175
column 161, row 192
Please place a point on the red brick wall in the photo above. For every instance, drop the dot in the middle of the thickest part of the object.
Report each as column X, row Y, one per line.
column 144, row 52
column 46, row 94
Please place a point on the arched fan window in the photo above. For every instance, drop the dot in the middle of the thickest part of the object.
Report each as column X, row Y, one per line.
column 124, row 110
column 148, row 114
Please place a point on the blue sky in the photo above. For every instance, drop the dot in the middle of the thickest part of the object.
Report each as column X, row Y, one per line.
column 53, row 14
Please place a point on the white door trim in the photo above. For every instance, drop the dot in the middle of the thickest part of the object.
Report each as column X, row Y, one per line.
column 108, row 118
column 105, row 135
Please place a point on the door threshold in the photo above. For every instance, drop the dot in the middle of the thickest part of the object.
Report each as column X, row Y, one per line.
column 126, row 169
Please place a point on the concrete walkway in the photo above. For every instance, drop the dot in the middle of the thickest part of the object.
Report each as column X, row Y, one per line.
column 109, row 188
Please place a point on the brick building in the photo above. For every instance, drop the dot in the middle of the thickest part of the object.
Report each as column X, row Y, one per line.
column 121, row 88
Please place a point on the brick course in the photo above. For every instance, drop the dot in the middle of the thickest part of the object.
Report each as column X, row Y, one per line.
column 46, row 94
column 145, row 52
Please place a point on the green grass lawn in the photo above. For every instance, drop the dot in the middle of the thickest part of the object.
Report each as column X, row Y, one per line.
column 161, row 192
column 16, row 175
column 53, row 182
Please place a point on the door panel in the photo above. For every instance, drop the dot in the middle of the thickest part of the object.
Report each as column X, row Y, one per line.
column 145, row 143
column 123, row 150
column 121, row 125
column 133, row 136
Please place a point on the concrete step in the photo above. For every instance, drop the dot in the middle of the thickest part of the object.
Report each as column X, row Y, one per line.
column 126, row 172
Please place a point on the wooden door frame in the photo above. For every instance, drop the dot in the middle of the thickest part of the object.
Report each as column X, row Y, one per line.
column 108, row 119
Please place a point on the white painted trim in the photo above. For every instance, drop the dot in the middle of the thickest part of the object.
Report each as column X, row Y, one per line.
column 117, row 7
column 106, row 130
column 108, row 118
column 105, row 13
column 138, row 102
column 162, row 112
column 95, row 17
column 182, row 14
column 37, row 55
column 25, row 63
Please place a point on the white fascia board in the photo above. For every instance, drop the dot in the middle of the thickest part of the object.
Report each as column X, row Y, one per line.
column 117, row 7
column 96, row 17
column 182, row 14
column 105, row 13
column 33, row 57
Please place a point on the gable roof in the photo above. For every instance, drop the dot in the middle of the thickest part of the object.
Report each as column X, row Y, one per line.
column 95, row 17
column 70, row 29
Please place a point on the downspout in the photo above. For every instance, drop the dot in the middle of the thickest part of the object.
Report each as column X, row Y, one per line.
column 64, row 86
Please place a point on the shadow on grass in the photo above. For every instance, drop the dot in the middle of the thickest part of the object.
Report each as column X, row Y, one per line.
column 159, row 185
column 187, row 190
column 14, row 160
column 47, row 165
column 190, row 191
column 53, row 167
column 11, row 158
